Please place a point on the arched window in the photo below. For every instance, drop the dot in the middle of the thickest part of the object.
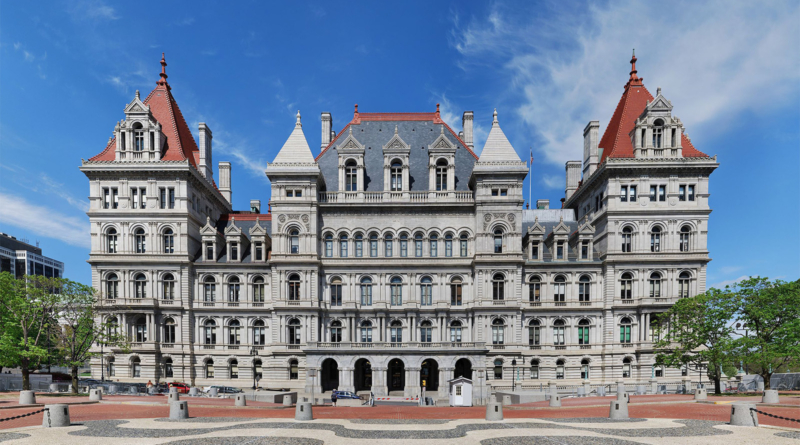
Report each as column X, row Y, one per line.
column 169, row 241
column 396, row 331
column 233, row 369
column 343, row 245
column 140, row 286
column 535, row 290
column 112, row 286
column 655, row 285
column 140, row 330
column 366, row 291
column 455, row 292
column 373, row 244
column 111, row 240
column 418, row 244
column 209, row 289
column 366, row 331
column 294, row 287
column 210, row 332
column 328, row 245
column 448, row 245
column 585, row 369
column 498, row 331
column 560, row 289
column 684, row 280
column 584, row 288
column 426, row 291
column 233, row 289
column 655, row 239
column 336, row 291
column 112, row 327
column 426, row 331
column 259, row 333
column 351, row 176
column 626, row 286
column 209, row 369
column 168, row 287
column 434, row 240
column 583, row 332
column 498, row 369
column 136, row 367
column 140, row 240
column 404, row 244
column 441, row 175
column 455, row 331
column 498, row 287
column 259, row 290
column 359, row 245
column 336, row 331
column 626, row 368
column 534, row 369
column 560, row 369
column 294, row 241
column 686, row 233
column 396, row 290
column 294, row 370
column 498, row 240
column 138, row 137
column 625, row 330
column 627, row 239
column 658, row 133
column 234, row 333
column 168, row 371
column 111, row 369
column 396, row 176
column 293, row 331
column 463, row 240
column 558, row 332
column 534, row 333
column 388, row 243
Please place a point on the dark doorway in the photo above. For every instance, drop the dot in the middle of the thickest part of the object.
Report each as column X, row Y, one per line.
column 363, row 375
column 330, row 375
column 463, row 369
column 429, row 375
column 397, row 375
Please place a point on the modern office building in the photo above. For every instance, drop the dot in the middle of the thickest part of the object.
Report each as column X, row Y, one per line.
column 20, row 258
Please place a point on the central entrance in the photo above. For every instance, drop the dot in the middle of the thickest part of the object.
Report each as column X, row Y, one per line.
column 330, row 375
column 429, row 375
column 363, row 375
column 463, row 369
column 396, row 375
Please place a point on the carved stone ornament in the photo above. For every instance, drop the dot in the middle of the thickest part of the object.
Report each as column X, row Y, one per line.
column 510, row 217
column 487, row 217
column 282, row 219
column 304, row 218
column 643, row 202
column 673, row 202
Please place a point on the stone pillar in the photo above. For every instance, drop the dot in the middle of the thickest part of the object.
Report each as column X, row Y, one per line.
column 56, row 416
column 770, row 396
column 379, row 382
column 742, row 414
column 27, row 398
column 179, row 410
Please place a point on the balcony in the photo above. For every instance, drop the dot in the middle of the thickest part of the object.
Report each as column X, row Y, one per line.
column 138, row 302
column 454, row 197
column 394, row 346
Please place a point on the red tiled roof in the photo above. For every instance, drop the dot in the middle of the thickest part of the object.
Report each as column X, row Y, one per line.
column 246, row 216
column 359, row 117
column 616, row 140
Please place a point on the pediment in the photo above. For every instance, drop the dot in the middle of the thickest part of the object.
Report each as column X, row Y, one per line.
column 660, row 103
column 258, row 229
column 137, row 106
column 536, row 228
column 396, row 143
column 350, row 143
column 561, row 228
column 586, row 228
column 208, row 229
column 233, row 229
column 442, row 143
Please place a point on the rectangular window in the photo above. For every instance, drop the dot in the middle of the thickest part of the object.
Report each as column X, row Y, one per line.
column 403, row 248
column 234, row 251
column 426, row 297
column 259, row 251
column 434, row 246
column 625, row 334
column 463, row 247
column 343, row 248
column 455, row 295
column 336, row 295
column 585, row 250
column 388, row 247
column 397, row 335
column 162, row 198
column 652, row 193
column 359, row 248
column 560, row 250
column 558, row 335
column 290, row 193
column 106, row 198
column 134, row 198
column 596, row 203
column 336, row 335
column 498, row 335
column 455, row 337
column 495, row 192
column 418, row 248
column 328, row 248
column 298, row 193
column 534, row 291
column 210, row 251
column 583, row 335
column 534, row 336
column 681, row 193
column 366, row 335
column 535, row 251
column 632, row 195
column 152, row 141
column 691, row 193
column 171, row 197
column 139, row 141
column 426, row 335
column 448, row 248
column 373, row 247
column 662, row 193
column 503, row 192
column 623, row 193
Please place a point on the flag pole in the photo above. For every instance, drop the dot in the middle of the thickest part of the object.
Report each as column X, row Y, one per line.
column 530, row 180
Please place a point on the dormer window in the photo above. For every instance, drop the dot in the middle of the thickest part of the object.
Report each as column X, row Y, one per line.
column 351, row 176
column 396, row 178
column 259, row 251
column 658, row 133
column 584, row 250
column 560, row 250
column 234, row 251
column 441, row 175
column 209, row 251
column 138, row 137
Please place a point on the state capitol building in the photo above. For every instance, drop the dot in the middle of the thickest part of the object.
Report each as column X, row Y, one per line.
column 395, row 257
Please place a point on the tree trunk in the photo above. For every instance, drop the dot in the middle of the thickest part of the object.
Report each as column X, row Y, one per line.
column 26, row 374
column 717, row 386
column 74, row 373
column 766, row 377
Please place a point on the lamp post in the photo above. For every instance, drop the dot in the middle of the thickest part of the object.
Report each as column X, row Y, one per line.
column 102, row 364
column 312, row 372
column 254, row 354
column 513, row 375
column 480, row 378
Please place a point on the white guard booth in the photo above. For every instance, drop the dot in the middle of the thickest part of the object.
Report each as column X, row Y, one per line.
column 460, row 392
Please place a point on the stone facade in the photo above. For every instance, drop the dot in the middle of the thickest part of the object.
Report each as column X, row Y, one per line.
column 397, row 259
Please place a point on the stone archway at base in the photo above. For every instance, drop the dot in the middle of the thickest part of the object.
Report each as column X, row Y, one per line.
column 362, row 375
column 463, row 369
column 329, row 375
column 396, row 375
column 429, row 375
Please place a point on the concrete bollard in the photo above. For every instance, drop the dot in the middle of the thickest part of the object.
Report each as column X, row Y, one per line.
column 742, row 414
column 194, row 392
column 552, row 387
column 701, row 394
column 56, row 416
column 620, row 387
column 640, row 390
column 133, row 390
column 555, row 400
column 213, row 392
column 27, row 398
column 95, row 395
column 618, row 410
column 506, row 400
column 494, row 411
column 287, row 401
column 54, row 387
column 179, row 410
column 303, row 411
column 173, row 397
column 173, row 389
column 770, row 396
column 241, row 400
column 587, row 389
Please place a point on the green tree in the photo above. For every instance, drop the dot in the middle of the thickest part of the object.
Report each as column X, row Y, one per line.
column 29, row 305
column 770, row 312
column 698, row 333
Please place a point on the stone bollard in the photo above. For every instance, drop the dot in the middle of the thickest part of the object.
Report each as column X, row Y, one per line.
column 494, row 411
column 552, row 387
column 27, row 398
column 179, row 410
column 618, row 410
column 173, row 397
column 54, row 387
column 506, row 400
column 303, row 411
column 56, row 416
column 133, row 390
column 555, row 400
column 95, row 395
column 173, row 389
column 194, row 392
column 742, row 414
column 213, row 392
column 241, row 400
column 640, row 391
column 287, row 401
column 687, row 386
column 701, row 394
column 770, row 396
column 112, row 389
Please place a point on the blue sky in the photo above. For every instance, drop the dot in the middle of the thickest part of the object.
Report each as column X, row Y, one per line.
column 731, row 70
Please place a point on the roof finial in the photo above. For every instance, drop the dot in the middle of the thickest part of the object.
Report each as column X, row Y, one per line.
column 494, row 119
column 163, row 80
column 395, row 128
column 298, row 124
column 356, row 112
column 634, row 77
column 437, row 108
column 137, row 94
column 658, row 91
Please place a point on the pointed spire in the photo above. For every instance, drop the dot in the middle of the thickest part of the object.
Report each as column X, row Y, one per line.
column 494, row 118
column 497, row 147
column 163, row 80
column 296, row 149
column 298, row 124
column 634, row 79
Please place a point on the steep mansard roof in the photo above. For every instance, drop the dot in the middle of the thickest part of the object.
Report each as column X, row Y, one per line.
column 616, row 141
column 497, row 147
column 180, row 144
column 296, row 149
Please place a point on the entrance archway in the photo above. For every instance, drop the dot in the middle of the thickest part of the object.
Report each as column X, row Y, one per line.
column 429, row 375
column 396, row 380
column 330, row 374
column 463, row 369
column 363, row 375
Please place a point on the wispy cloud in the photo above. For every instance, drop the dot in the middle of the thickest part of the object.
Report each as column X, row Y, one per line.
column 94, row 10
column 43, row 221
column 58, row 189
column 567, row 68
column 553, row 181
column 452, row 114
column 722, row 284
column 185, row 22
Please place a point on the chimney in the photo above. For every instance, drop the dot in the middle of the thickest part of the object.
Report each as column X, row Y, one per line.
column 543, row 204
column 205, row 152
column 327, row 128
column 225, row 180
column 591, row 157
column 255, row 206
column 466, row 124
column 573, row 177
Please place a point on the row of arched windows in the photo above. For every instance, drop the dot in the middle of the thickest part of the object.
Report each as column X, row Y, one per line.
column 139, row 241
column 559, row 289
column 234, row 333
column 657, row 238
column 654, row 285
column 351, row 172
column 405, row 245
column 140, row 287
column 396, row 298
column 233, row 291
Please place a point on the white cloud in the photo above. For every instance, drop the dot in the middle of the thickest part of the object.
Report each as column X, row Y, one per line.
column 722, row 284
column 95, row 10
column 43, row 221
column 712, row 59
column 58, row 189
column 185, row 22
column 451, row 113
column 553, row 181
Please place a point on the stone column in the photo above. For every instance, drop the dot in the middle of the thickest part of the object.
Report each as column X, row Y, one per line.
column 379, row 381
